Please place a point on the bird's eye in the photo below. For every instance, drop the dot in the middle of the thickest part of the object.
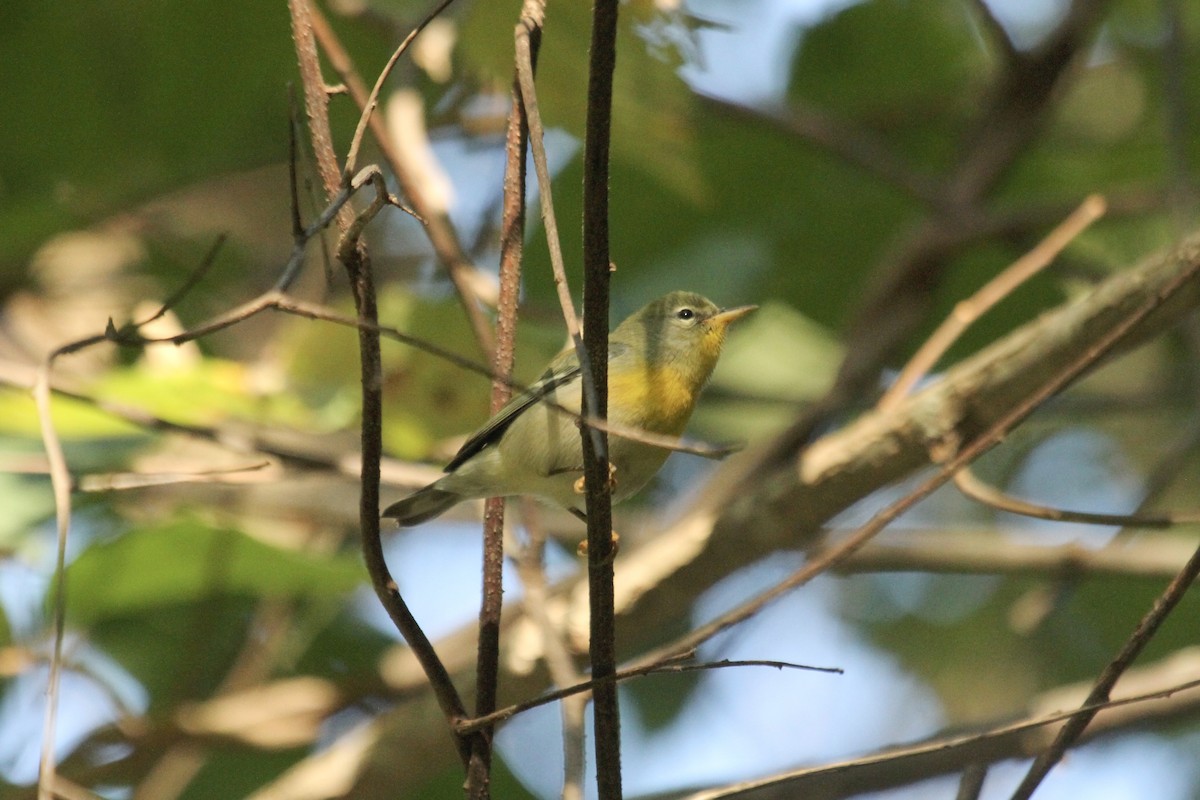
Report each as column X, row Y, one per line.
column 685, row 313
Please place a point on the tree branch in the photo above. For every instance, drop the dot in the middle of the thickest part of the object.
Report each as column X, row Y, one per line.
column 597, row 271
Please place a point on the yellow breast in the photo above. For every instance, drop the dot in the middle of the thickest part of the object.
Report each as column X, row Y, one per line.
column 656, row 399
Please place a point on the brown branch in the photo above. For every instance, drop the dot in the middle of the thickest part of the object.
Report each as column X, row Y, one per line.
column 671, row 666
column 900, row 292
column 753, row 507
column 597, row 275
column 560, row 664
column 975, row 488
column 372, row 100
column 968, row 311
column 528, row 91
column 898, row 766
column 1102, row 690
column 993, row 552
column 60, row 482
column 316, row 104
column 511, row 250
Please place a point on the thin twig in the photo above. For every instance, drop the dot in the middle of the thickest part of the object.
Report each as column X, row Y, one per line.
column 193, row 278
column 1163, row 605
column 60, row 482
column 940, row 747
column 966, row 312
column 316, row 103
column 354, row 258
column 275, row 300
column 555, row 652
column 294, row 162
column 899, row 294
column 975, row 488
column 993, row 552
column 670, row 666
column 124, row 481
column 373, row 98
column 525, row 80
column 487, row 669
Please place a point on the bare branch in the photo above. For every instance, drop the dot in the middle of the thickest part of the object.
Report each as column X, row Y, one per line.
column 966, row 312
column 597, row 270
column 672, row 665
column 898, row 766
column 975, row 488
column 1163, row 605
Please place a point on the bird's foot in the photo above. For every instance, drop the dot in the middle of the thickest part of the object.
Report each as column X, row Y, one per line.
column 581, row 484
column 582, row 549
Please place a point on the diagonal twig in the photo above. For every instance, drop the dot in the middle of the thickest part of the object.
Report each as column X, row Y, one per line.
column 966, row 312
column 1146, row 628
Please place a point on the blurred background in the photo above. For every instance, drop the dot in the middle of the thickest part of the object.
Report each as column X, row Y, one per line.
column 855, row 168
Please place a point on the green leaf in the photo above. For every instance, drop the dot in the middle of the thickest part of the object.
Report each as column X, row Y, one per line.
column 912, row 69
column 188, row 561
column 73, row 419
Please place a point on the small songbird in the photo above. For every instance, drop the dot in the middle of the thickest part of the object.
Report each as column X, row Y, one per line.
column 658, row 361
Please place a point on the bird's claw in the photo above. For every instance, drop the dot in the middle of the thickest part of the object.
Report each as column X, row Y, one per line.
column 582, row 549
column 581, row 483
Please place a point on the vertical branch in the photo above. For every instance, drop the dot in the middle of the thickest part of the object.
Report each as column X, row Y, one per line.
column 316, row 104
column 512, row 243
column 60, row 481
column 60, row 484
column 597, row 273
column 353, row 255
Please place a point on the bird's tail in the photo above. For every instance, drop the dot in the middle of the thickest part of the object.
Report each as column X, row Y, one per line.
column 421, row 505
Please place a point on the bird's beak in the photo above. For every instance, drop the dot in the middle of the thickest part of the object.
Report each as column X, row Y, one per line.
column 723, row 318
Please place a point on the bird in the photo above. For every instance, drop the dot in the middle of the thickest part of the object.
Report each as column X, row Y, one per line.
column 659, row 360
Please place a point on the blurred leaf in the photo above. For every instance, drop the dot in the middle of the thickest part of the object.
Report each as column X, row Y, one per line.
column 239, row 771
column 186, row 561
column 206, row 392
column 6, row 638
column 127, row 104
column 177, row 651
column 912, row 69
column 73, row 419
column 27, row 499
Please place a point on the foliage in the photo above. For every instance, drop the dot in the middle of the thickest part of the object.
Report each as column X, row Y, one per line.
column 847, row 202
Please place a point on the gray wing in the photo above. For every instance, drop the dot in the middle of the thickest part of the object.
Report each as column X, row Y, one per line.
column 495, row 427
column 562, row 370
